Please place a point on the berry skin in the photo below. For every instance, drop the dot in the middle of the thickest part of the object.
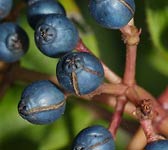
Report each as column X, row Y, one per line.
column 39, row 9
column 112, row 14
column 157, row 145
column 5, row 8
column 79, row 72
column 14, row 42
column 94, row 138
column 41, row 102
column 56, row 35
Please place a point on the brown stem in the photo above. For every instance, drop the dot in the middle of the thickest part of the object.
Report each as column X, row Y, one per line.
column 109, row 74
column 27, row 75
column 117, row 116
column 7, row 78
column 3, row 66
column 15, row 12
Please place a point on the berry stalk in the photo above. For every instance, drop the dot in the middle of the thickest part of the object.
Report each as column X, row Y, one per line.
column 117, row 117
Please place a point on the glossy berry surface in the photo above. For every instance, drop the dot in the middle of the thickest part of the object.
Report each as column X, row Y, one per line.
column 94, row 138
column 41, row 102
column 112, row 14
column 157, row 145
column 79, row 72
column 5, row 8
column 55, row 35
column 40, row 8
column 14, row 42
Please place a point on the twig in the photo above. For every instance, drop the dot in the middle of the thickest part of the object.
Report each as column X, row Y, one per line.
column 7, row 79
column 116, row 119
column 15, row 12
column 27, row 75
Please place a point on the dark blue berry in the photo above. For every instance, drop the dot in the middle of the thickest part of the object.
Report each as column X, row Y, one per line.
column 55, row 35
column 94, row 138
column 40, row 8
column 157, row 145
column 41, row 102
column 5, row 8
column 79, row 72
column 14, row 42
column 112, row 14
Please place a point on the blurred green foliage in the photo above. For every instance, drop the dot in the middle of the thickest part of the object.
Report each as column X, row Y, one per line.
column 152, row 74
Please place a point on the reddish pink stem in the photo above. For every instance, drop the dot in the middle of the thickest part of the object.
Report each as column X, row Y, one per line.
column 128, row 79
column 149, row 131
column 129, row 74
column 116, row 119
column 163, row 99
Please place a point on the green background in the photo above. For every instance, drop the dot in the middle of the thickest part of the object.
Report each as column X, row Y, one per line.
column 151, row 73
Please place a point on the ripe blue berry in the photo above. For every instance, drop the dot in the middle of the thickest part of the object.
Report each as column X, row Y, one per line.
column 5, row 8
column 79, row 72
column 112, row 14
column 40, row 8
column 14, row 42
column 94, row 138
column 157, row 145
column 55, row 35
column 41, row 102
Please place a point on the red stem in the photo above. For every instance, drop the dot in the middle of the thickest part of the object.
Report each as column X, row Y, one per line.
column 129, row 74
column 116, row 119
column 149, row 131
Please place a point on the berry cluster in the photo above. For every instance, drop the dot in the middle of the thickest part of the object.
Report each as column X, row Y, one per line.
column 78, row 72
column 56, row 36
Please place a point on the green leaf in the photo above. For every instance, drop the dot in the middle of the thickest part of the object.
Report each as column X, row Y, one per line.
column 157, row 19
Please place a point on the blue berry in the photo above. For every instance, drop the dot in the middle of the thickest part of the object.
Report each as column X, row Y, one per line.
column 41, row 102
column 112, row 14
column 94, row 138
column 5, row 8
column 79, row 72
column 157, row 145
column 40, row 8
column 14, row 42
column 55, row 35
